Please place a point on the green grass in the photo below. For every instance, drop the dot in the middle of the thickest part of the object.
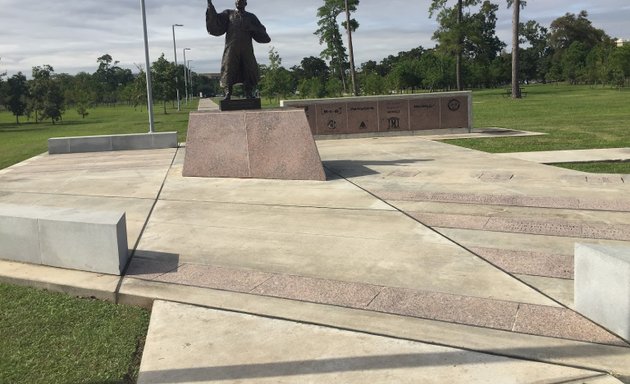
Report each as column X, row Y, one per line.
column 20, row 142
column 622, row 167
column 573, row 117
column 53, row 338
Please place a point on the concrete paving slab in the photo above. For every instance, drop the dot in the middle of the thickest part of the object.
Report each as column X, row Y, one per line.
column 344, row 245
column 272, row 232
column 335, row 193
column 251, row 349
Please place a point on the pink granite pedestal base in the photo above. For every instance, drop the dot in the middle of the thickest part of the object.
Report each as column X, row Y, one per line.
column 271, row 144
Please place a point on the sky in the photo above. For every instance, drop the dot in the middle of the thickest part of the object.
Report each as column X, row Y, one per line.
column 70, row 35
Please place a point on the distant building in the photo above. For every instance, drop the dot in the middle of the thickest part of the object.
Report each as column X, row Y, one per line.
column 211, row 76
column 620, row 42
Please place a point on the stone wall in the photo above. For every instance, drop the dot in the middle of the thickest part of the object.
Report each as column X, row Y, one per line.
column 416, row 113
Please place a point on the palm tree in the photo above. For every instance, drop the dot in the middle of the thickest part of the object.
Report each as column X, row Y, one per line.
column 351, row 51
column 516, row 9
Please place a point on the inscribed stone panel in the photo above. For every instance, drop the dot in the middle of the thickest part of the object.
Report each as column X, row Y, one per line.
column 393, row 115
column 425, row 114
column 455, row 112
column 362, row 117
column 332, row 119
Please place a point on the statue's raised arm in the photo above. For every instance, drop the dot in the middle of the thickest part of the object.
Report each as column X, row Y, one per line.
column 216, row 24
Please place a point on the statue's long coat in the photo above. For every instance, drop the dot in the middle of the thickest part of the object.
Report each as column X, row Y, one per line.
column 239, row 63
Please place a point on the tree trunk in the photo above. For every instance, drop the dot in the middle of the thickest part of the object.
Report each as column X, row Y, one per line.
column 351, row 51
column 460, row 42
column 516, row 89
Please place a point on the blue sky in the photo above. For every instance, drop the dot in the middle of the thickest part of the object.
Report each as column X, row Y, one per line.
column 71, row 34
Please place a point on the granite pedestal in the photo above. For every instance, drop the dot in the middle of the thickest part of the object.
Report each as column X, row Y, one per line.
column 266, row 144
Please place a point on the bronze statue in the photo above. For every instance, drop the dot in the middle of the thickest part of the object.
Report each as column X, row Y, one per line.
column 239, row 63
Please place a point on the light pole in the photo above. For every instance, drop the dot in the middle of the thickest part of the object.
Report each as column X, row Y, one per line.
column 190, row 85
column 175, row 54
column 185, row 74
column 148, row 65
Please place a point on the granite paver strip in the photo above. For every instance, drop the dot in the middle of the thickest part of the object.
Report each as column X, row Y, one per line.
column 450, row 220
column 550, row 227
column 528, row 262
column 323, row 291
column 148, row 269
column 509, row 200
column 536, row 227
column 562, row 323
column 230, row 279
column 445, row 307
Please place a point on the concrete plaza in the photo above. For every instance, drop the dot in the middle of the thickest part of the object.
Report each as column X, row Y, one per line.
column 416, row 261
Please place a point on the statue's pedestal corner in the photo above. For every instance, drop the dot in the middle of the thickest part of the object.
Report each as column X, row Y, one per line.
column 240, row 104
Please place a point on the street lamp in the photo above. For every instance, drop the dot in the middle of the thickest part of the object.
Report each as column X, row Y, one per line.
column 190, row 85
column 175, row 54
column 148, row 66
column 185, row 74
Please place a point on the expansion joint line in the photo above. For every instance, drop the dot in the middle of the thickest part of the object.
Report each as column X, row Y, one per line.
column 444, row 236
column 144, row 227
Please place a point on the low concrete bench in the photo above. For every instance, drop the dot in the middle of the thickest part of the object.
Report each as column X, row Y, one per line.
column 90, row 241
column 602, row 285
column 79, row 144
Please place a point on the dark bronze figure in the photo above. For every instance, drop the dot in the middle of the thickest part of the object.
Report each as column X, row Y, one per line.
column 239, row 63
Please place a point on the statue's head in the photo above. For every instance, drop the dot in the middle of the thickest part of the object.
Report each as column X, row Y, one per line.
column 241, row 4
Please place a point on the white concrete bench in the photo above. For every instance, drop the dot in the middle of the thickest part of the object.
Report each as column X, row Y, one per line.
column 602, row 285
column 91, row 241
column 79, row 144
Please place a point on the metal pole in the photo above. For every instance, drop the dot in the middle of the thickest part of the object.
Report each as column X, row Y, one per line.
column 185, row 75
column 175, row 54
column 190, row 85
column 148, row 69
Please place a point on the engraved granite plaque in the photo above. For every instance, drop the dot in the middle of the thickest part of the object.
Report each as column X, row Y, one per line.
column 393, row 115
column 362, row 117
column 454, row 112
column 425, row 114
column 331, row 119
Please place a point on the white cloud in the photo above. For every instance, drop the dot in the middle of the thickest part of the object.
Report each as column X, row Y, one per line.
column 71, row 34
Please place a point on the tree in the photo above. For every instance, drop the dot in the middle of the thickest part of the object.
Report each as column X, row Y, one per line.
column 2, row 87
column 329, row 34
column 38, row 90
column 276, row 81
column 111, row 79
column 164, row 86
column 451, row 32
column 82, row 93
column 571, row 38
column 17, row 92
column 481, row 44
column 516, row 9
column 535, row 60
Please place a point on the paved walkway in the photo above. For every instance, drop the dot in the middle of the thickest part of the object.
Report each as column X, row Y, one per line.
column 410, row 254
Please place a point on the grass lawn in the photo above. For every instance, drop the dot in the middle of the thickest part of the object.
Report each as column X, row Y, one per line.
column 54, row 338
column 574, row 117
column 20, row 142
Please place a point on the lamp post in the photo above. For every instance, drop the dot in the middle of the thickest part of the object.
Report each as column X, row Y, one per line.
column 185, row 74
column 148, row 66
column 175, row 54
column 190, row 85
